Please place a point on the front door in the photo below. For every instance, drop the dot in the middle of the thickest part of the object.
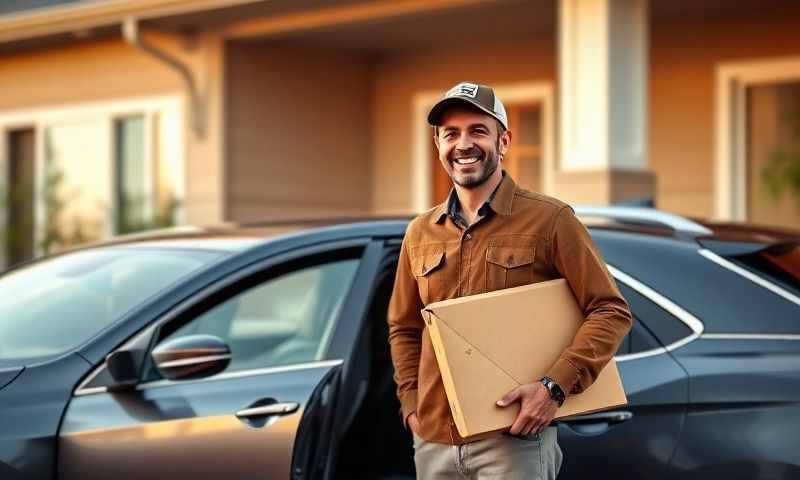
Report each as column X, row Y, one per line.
column 773, row 153
column 278, row 324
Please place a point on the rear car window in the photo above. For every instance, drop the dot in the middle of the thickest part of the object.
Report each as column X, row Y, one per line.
column 723, row 300
column 779, row 264
column 666, row 327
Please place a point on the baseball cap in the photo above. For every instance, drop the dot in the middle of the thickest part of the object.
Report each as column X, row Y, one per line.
column 479, row 96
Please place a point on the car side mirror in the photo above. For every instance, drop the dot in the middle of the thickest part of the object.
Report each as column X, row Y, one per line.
column 124, row 367
column 192, row 356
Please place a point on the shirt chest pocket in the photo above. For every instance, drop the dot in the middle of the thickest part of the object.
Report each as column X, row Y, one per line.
column 508, row 266
column 427, row 269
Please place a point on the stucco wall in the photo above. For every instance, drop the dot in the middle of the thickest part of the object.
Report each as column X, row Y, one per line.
column 682, row 96
column 399, row 77
column 81, row 72
column 298, row 132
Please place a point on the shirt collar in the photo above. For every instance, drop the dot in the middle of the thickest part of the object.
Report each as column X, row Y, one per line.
column 499, row 201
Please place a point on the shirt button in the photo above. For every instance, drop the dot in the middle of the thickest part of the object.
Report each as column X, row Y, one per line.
column 468, row 236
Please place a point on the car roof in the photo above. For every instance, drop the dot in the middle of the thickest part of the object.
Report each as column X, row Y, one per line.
column 235, row 237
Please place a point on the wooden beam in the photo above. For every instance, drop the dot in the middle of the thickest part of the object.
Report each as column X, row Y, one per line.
column 88, row 15
column 342, row 15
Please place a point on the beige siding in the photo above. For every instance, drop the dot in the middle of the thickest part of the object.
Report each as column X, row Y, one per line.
column 90, row 71
column 298, row 132
column 102, row 70
column 683, row 58
column 397, row 78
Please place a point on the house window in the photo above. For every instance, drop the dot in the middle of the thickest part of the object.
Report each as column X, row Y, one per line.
column 133, row 194
column 86, row 172
column 77, row 182
column 773, row 153
column 18, row 237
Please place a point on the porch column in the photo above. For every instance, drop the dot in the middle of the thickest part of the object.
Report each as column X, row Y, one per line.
column 603, row 65
column 205, row 163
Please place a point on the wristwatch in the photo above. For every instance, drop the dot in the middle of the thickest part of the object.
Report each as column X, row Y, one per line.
column 556, row 393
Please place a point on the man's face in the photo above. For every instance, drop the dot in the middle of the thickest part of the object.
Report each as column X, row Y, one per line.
column 470, row 146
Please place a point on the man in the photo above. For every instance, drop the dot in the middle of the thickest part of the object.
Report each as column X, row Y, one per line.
column 491, row 234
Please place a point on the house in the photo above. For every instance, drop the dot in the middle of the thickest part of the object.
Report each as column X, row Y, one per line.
column 121, row 114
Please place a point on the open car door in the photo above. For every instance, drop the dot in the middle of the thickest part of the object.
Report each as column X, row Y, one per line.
column 289, row 325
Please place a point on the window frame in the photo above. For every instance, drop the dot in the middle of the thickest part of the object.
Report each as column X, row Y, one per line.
column 670, row 308
column 243, row 286
column 148, row 335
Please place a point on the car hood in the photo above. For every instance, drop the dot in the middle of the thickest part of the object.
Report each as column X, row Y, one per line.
column 8, row 375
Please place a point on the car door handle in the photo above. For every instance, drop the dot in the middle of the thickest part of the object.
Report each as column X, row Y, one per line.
column 616, row 416
column 283, row 408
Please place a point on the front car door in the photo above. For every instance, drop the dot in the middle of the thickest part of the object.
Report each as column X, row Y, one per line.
column 278, row 322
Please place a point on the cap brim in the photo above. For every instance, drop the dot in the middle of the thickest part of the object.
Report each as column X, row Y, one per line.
column 435, row 115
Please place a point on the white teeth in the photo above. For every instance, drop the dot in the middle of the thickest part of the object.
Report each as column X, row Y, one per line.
column 466, row 161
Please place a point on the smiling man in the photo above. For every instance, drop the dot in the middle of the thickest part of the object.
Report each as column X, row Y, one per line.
column 490, row 234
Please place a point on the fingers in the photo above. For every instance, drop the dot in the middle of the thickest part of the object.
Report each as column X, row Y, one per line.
column 526, row 423
column 519, row 425
column 509, row 398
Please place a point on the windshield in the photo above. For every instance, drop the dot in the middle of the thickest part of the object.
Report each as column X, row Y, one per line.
column 53, row 305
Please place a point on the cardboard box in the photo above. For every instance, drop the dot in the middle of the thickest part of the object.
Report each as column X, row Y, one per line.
column 488, row 344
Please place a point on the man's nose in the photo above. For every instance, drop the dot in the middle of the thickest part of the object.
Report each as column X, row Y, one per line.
column 464, row 142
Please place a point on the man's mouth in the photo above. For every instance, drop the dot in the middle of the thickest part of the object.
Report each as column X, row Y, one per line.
column 466, row 160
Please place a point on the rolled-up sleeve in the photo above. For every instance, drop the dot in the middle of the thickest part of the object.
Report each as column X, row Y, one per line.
column 405, row 333
column 607, row 315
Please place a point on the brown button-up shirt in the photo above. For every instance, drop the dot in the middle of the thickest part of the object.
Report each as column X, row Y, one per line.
column 526, row 238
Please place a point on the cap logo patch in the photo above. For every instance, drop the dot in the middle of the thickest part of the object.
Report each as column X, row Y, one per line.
column 463, row 90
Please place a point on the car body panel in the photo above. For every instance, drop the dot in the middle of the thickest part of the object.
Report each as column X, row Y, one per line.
column 641, row 447
column 32, row 408
column 187, row 429
column 744, row 409
column 8, row 374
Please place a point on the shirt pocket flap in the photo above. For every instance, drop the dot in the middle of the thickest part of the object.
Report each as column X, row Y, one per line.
column 510, row 257
column 425, row 264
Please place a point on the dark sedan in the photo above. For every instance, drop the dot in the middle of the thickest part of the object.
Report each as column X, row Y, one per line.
column 254, row 353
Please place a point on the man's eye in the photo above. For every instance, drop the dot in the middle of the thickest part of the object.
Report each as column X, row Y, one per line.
column 449, row 134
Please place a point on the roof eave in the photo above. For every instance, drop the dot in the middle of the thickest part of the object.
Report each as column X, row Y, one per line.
column 88, row 15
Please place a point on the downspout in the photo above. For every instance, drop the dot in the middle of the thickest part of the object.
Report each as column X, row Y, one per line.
column 130, row 31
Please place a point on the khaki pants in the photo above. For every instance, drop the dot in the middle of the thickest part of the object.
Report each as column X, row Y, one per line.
column 535, row 457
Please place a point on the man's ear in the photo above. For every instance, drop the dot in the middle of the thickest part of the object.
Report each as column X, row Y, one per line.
column 505, row 142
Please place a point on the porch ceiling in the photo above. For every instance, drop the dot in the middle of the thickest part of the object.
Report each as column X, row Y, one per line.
column 459, row 27
column 454, row 21
column 699, row 10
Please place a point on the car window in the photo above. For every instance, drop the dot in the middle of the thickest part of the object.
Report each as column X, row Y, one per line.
column 55, row 304
column 284, row 320
column 666, row 327
column 638, row 340
column 779, row 264
column 641, row 339
column 625, row 346
column 725, row 301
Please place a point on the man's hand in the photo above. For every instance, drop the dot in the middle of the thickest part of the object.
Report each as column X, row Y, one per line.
column 413, row 423
column 536, row 411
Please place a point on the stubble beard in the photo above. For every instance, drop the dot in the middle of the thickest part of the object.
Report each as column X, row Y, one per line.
column 488, row 165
